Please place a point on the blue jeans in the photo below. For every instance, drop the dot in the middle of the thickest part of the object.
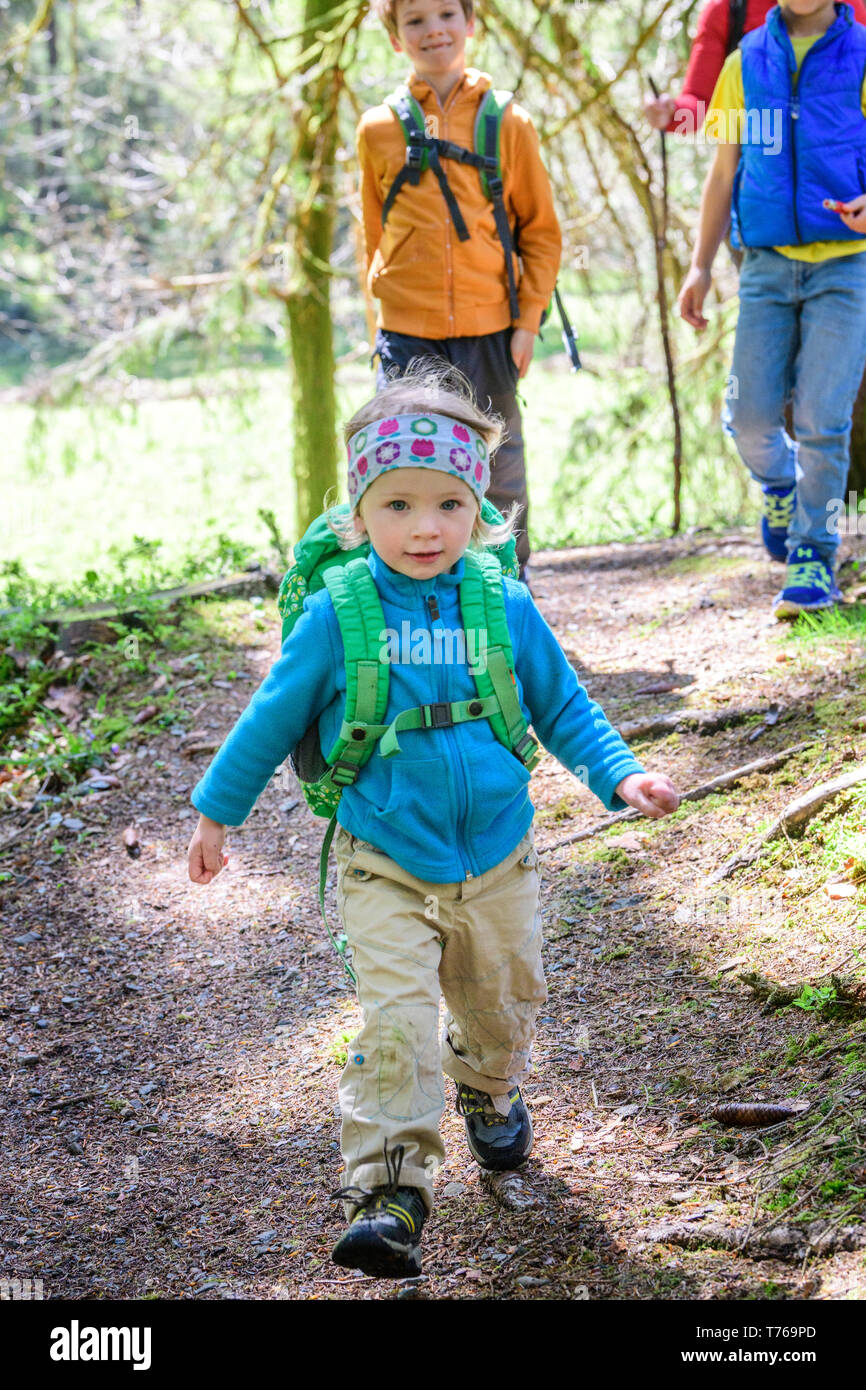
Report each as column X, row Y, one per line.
column 801, row 334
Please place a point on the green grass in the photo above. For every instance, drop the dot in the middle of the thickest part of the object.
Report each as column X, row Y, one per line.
column 81, row 482
column 836, row 625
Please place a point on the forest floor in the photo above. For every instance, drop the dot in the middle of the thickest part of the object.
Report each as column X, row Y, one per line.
column 170, row 1121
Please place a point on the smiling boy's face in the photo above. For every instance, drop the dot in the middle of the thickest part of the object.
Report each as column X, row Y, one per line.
column 419, row 521
column 433, row 34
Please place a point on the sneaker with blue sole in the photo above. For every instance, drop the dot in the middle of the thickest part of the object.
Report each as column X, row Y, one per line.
column 497, row 1142
column 778, row 512
column 809, row 585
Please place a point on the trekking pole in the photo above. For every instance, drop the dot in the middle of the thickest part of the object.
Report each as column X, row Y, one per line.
column 661, row 235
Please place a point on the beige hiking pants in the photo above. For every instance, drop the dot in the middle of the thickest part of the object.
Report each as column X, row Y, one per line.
column 477, row 942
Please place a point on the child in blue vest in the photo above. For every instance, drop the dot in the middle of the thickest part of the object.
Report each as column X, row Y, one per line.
column 438, row 875
column 789, row 111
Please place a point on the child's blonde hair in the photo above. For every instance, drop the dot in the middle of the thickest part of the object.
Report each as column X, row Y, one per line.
column 436, row 387
column 386, row 10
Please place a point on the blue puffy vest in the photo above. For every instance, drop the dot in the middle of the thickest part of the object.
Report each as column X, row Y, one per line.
column 802, row 143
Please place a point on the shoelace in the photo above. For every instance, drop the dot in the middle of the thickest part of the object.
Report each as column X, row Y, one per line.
column 482, row 1105
column 806, row 574
column 378, row 1198
column 778, row 510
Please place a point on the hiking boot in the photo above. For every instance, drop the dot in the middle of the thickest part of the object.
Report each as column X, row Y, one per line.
column 778, row 511
column 499, row 1142
column 809, row 585
column 384, row 1236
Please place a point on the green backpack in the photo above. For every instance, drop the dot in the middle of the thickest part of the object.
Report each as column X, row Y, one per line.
column 319, row 563
column 426, row 151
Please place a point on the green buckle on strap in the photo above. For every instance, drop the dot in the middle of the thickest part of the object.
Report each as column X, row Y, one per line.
column 528, row 751
column 343, row 773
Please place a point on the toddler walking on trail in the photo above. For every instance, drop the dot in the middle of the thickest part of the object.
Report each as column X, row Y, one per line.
column 462, row 270
column 438, row 878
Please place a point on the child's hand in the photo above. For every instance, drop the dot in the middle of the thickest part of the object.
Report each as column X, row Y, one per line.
column 854, row 215
column 206, row 856
column 692, row 296
column 649, row 792
column 659, row 111
column 522, row 348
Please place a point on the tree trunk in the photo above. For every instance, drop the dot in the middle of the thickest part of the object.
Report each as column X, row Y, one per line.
column 857, row 471
column 309, row 301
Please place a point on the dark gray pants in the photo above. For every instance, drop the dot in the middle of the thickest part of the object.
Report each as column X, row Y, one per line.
column 487, row 362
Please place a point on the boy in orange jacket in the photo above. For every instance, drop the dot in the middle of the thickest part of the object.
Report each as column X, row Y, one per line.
column 440, row 274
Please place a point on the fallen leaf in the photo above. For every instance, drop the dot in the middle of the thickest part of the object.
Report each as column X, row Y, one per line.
column 629, row 841
column 66, row 699
column 576, row 1141
column 147, row 713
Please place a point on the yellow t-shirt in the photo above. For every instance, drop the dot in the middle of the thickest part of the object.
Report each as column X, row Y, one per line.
column 730, row 97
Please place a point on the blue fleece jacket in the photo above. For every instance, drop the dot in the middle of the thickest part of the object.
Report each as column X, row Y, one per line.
column 455, row 801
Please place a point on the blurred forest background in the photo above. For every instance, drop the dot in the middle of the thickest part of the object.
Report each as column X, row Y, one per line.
column 179, row 214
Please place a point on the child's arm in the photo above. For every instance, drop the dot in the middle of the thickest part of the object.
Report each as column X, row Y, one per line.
column 705, row 63
column 529, row 198
column 298, row 687
column 713, row 222
column 574, row 728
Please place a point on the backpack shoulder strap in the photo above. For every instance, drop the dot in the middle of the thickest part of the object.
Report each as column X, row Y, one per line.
column 411, row 119
column 359, row 613
column 736, row 24
column 482, row 609
column 488, row 127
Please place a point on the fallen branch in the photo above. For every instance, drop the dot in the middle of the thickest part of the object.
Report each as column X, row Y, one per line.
column 795, row 815
column 192, row 749
column 71, row 1100
column 247, row 582
column 725, row 779
column 848, row 990
column 703, row 721
column 780, row 1242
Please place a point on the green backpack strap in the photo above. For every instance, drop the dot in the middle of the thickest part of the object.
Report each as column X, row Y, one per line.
column 483, row 611
column 359, row 614
column 488, row 128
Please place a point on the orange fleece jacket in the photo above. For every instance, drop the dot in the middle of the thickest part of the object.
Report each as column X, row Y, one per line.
column 428, row 283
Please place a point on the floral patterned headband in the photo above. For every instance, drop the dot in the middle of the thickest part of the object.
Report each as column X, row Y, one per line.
column 417, row 441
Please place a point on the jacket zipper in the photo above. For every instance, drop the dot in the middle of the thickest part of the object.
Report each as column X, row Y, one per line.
column 432, row 606
column 795, row 116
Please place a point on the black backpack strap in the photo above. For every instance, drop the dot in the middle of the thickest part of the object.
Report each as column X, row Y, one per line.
column 406, row 110
column 569, row 337
column 450, row 201
column 737, row 24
